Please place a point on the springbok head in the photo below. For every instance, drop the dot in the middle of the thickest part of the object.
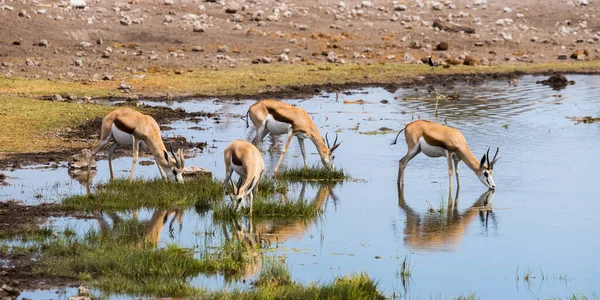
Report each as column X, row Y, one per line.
column 239, row 196
column 486, row 169
column 330, row 156
column 176, row 163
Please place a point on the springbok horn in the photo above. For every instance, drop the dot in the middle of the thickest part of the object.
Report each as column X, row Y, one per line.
column 487, row 157
column 327, row 140
column 336, row 137
column 494, row 159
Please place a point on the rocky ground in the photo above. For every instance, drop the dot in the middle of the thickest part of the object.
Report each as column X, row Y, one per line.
column 103, row 39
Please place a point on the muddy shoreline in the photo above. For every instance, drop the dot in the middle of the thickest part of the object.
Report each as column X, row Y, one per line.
column 89, row 131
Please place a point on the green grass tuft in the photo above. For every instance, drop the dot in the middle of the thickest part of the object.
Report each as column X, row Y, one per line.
column 121, row 194
column 316, row 173
column 357, row 286
column 274, row 272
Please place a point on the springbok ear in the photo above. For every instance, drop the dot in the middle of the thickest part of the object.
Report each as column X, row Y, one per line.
column 167, row 157
column 335, row 146
column 482, row 162
column 235, row 188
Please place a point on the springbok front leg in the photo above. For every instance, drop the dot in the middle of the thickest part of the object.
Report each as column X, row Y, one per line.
column 456, row 161
column 285, row 148
column 450, row 171
column 111, row 151
column 136, row 148
column 302, row 150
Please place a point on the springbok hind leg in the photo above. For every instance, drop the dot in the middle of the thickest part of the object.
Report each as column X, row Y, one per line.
column 404, row 161
column 450, row 171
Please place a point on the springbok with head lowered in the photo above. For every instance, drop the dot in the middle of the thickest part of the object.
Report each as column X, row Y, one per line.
column 127, row 127
column 245, row 159
column 436, row 140
column 276, row 117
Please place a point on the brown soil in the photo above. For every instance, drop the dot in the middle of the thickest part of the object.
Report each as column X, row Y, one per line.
column 15, row 220
column 357, row 32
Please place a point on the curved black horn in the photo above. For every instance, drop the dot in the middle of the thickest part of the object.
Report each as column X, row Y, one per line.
column 327, row 140
column 172, row 152
column 494, row 159
column 336, row 137
column 487, row 157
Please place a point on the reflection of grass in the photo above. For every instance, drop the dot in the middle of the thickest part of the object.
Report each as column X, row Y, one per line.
column 318, row 173
column 263, row 208
column 357, row 286
column 273, row 273
column 119, row 261
column 121, row 194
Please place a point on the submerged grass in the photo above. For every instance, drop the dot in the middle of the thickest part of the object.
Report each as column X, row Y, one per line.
column 357, row 286
column 274, row 272
column 262, row 208
column 314, row 173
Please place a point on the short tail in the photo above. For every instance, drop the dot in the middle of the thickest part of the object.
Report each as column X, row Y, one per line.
column 396, row 140
column 247, row 114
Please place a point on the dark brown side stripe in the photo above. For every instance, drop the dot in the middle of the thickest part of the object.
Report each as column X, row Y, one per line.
column 123, row 127
column 279, row 117
column 235, row 159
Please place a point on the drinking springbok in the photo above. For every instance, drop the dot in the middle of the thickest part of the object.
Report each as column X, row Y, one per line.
column 276, row 117
column 245, row 159
column 436, row 140
column 127, row 127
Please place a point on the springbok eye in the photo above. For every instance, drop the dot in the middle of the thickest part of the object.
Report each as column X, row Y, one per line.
column 485, row 174
column 175, row 172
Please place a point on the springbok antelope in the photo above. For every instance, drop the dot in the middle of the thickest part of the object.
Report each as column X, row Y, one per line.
column 436, row 140
column 276, row 117
column 127, row 127
column 245, row 159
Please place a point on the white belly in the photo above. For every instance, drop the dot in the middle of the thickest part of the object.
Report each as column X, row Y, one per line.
column 121, row 137
column 431, row 151
column 238, row 169
column 275, row 127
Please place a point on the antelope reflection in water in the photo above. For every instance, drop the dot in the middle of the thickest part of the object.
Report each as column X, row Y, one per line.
column 444, row 229
column 144, row 233
column 256, row 234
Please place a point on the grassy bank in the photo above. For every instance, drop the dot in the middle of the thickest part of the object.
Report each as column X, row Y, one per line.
column 255, row 79
column 30, row 125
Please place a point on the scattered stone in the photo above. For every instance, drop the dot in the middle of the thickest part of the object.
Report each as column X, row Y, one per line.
column 436, row 5
column 22, row 13
column 562, row 56
column 43, row 43
column 85, row 44
column 507, row 10
column 366, row 4
column 223, row 49
column 198, row 27
column 197, row 49
column 126, row 20
column 442, row 46
column 441, row 25
column 479, row 44
column 7, row 7
column 99, row 42
column 107, row 76
column 583, row 2
column 168, row 2
column 78, row 63
column 124, row 86
column 415, row 45
column 282, row 57
column 399, row 7
column 167, row 19
column 303, row 27
column 261, row 59
column 58, row 98
column 232, row 8
column 80, row 4
column 30, row 63
column 41, row 11
column 193, row 171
